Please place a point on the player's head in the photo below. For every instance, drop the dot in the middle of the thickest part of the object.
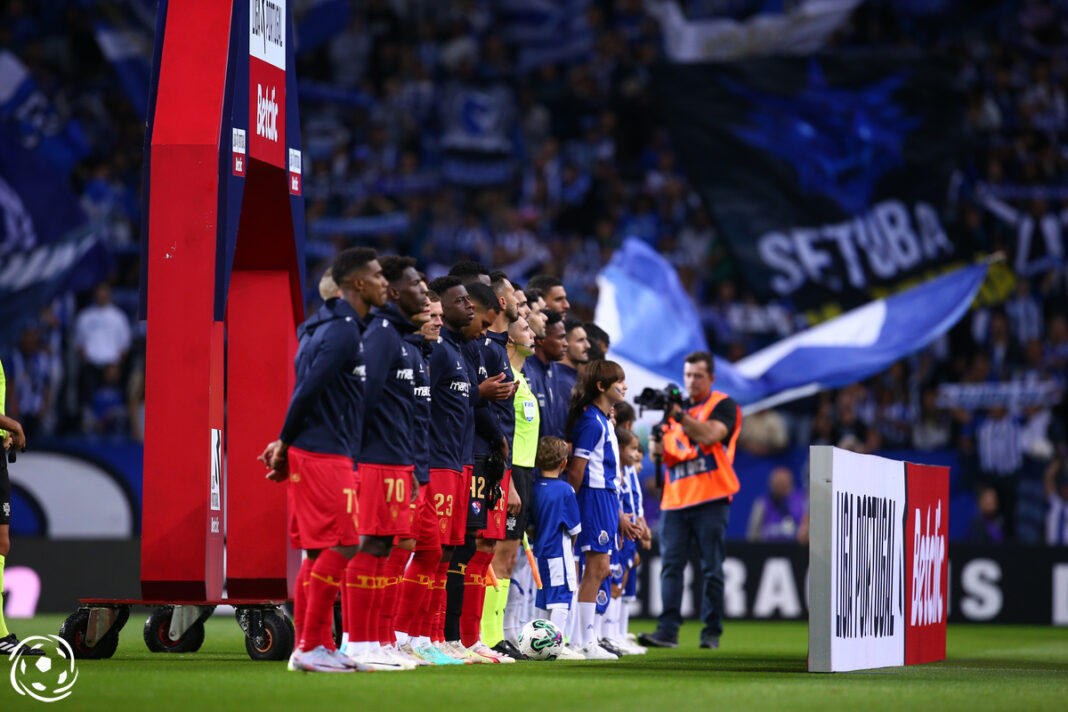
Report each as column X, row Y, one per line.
column 552, row 454
column 628, row 444
column 625, row 415
column 552, row 344
column 520, row 337
column 431, row 330
column 698, row 374
column 506, row 293
column 470, row 271
column 405, row 287
column 456, row 308
column 599, row 341
column 577, row 349
column 328, row 287
column 602, row 381
column 358, row 274
column 521, row 307
column 536, row 305
column 487, row 309
column 553, row 291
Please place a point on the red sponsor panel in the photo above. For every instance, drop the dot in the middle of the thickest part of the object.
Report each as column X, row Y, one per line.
column 267, row 112
column 926, row 563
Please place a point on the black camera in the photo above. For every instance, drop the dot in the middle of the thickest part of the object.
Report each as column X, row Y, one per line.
column 659, row 399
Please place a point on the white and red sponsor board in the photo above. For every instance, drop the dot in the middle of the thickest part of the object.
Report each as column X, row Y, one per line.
column 878, row 561
column 267, row 81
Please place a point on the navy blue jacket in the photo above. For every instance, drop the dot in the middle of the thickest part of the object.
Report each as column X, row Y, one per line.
column 495, row 356
column 450, row 402
column 392, row 363
column 564, row 380
column 487, row 428
column 421, row 427
column 326, row 409
column 542, row 380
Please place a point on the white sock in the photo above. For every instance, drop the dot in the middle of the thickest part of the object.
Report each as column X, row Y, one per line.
column 585, row 626
column 420, row 641
column 560, row 617
column 344, row 640
column 401, row 637
column 624, row 619
column 513, row 607
column 572, row 621
column 598, row 627
column 611, row 620
column 355, row 650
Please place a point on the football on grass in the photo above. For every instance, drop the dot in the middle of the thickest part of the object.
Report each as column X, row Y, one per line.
column 541, row 640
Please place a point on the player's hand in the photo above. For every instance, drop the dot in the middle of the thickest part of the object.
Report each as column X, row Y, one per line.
column 274, row 457
column 415, row 489
column 495, row 389
column 628, row 527
column 18, row 438
column 514, row 502
column 673, row 411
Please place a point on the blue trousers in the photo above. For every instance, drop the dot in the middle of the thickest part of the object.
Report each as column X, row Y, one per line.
column 706, row 525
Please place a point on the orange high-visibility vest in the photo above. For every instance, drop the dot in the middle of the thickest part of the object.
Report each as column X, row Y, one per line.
column 698, row 473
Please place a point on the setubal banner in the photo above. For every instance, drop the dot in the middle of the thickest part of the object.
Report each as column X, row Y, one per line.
column 878, row 561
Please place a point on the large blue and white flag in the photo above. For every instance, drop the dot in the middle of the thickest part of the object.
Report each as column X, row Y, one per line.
column 653, row 325
column 46, row 243
column 800, row 30
column 130, row 54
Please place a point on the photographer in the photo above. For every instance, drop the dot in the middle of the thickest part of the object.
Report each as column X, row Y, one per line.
column 698, row 439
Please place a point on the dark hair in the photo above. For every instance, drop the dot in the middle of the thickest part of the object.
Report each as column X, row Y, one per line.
column 432, row 295
column 533, row 293
column 443, row 284
column 586, row 389
column 707, row 358
column 597, row 333
column 544, row 282
column 624, row 436
column 350, row 260
column 497, row 279
column 468, row 270
column 552, row 317
column 483, row 296
column 515, row 285
column 572, row 324
column 393, row 266
column 624, row 412
column 552, row 453
column 422, row 277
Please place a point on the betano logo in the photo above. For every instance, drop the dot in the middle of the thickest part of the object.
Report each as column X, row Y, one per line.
column 41, row 677
column 928, row 553
column 266, row 113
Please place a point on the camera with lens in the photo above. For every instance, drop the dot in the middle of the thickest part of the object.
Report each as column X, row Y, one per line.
column 659, row 398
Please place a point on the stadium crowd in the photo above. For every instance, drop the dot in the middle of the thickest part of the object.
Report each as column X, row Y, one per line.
column 572, row 157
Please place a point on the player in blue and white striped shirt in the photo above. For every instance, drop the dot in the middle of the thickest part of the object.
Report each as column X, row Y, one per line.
column 595, row 474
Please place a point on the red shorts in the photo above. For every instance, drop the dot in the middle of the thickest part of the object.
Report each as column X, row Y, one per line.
column 447, row 495
column 425, row 521
column 322, row 500
column 497, row 518
column 385, row 499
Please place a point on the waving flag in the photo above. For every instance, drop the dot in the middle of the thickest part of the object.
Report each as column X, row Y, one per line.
column 653, row 325
column 130, row 57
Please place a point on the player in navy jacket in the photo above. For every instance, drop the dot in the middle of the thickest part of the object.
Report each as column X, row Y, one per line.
column 316, row 449
column 539, row 372
column 387, row 483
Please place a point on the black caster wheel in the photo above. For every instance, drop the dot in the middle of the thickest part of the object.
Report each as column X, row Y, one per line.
column 157, row 634
column 74, row 630
column 275, row 639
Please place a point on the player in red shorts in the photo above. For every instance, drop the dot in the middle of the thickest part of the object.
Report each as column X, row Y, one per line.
column 388, row 486
column 316, row 448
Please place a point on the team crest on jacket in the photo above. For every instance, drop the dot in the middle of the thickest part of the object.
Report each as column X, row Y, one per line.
column 602, row 598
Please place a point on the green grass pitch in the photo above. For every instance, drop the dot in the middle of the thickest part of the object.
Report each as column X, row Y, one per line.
column 759, row 666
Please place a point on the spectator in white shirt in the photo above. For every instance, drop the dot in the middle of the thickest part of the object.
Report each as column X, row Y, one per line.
column 102, row 336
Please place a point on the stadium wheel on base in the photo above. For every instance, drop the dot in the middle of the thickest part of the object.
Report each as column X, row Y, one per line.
column 74, row 630
column 277, row 640
column 157, row 634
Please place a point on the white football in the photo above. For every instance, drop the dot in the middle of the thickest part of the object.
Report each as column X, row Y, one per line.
column 541, row 640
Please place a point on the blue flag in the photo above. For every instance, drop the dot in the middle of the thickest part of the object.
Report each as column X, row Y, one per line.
column 130, row 57
column 653, row 325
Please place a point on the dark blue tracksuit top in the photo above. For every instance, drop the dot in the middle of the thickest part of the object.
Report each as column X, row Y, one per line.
column 542, row 379
column 495, row 356
column 326, row 409
column 421, row 429
column 392, row 363
column 451, row 402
